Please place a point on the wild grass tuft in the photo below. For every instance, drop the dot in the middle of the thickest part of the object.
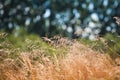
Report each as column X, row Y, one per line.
column 43, row 61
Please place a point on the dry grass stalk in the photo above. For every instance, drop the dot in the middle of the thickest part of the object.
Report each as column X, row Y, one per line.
column 81, row 63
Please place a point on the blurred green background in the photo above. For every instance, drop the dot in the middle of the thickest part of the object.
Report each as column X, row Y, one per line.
column 71, row 18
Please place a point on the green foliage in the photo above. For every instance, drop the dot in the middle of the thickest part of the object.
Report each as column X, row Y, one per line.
column 110, row 45
column 12, row 45
column 113, row 44
column 95, row 45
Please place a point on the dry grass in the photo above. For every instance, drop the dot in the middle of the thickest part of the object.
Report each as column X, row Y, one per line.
column 80, row 63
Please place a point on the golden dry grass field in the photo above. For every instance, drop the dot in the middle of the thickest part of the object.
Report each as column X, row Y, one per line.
column 66, row 62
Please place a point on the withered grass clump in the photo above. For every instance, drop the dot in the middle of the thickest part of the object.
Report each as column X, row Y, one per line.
column 80, row 63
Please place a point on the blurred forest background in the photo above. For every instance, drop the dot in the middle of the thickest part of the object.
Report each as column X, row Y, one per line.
column 71, row 18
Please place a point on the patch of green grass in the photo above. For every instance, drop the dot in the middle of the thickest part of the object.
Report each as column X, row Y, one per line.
column 12, row 45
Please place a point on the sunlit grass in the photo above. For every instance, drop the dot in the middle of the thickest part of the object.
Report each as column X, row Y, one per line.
column 40, row 60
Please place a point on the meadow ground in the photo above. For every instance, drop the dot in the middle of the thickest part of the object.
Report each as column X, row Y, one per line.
column 71, row 62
